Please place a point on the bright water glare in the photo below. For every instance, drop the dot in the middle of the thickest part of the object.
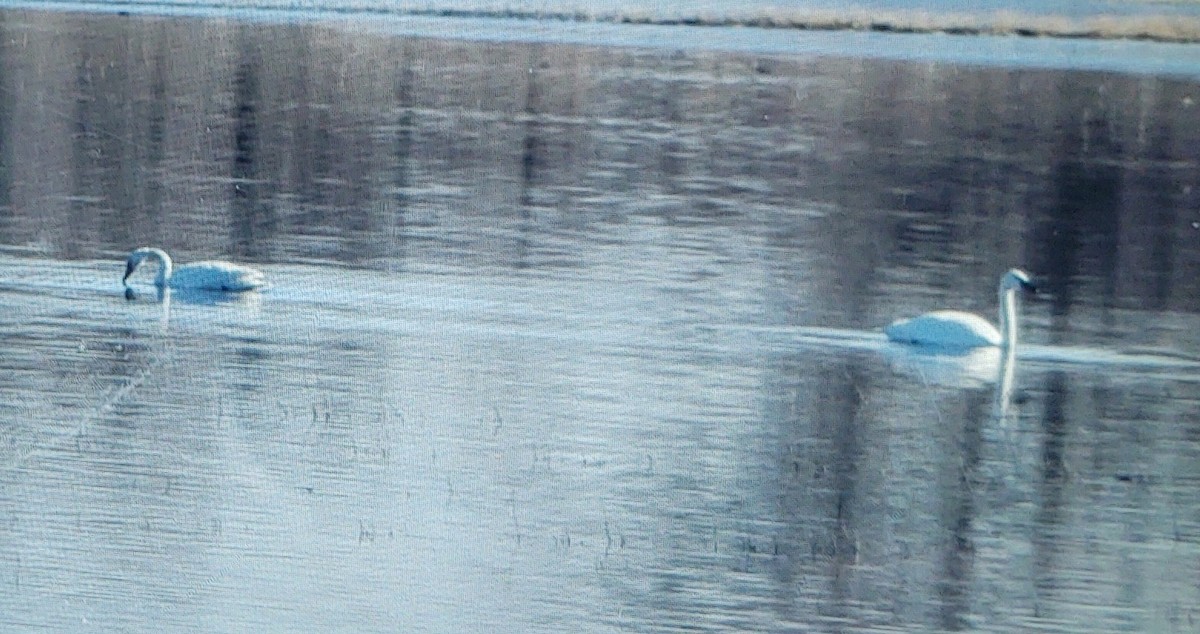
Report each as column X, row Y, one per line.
column 587, row 338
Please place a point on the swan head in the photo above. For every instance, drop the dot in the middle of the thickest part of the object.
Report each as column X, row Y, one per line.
column 137, row 256
column 133, row 262
column 1016, row 279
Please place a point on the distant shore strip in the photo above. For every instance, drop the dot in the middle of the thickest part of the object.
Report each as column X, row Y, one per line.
column 1177, row 29
column 1153, row 28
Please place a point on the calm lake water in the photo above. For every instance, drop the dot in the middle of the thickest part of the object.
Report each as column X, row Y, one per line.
column 566, row 338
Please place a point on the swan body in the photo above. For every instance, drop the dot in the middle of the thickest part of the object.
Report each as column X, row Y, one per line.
column 949, row 328
column 207, row 275
column 956, row 329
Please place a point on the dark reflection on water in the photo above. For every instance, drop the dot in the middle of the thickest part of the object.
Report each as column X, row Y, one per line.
column 529, row 359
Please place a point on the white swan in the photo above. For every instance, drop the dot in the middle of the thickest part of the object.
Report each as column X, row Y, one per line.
column 207, row 276
column 956, row 329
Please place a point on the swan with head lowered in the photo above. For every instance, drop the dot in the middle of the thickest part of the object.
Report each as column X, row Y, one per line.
column 200, row 276
column 956, row 329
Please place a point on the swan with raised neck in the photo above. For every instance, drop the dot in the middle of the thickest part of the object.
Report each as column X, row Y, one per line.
column 957, row 329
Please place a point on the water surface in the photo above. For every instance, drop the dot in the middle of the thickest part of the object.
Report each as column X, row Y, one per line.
column 544, row 349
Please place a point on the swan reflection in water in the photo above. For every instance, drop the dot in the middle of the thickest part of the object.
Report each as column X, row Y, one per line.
column 969, row 368
column 196, row 296
column 164, row 296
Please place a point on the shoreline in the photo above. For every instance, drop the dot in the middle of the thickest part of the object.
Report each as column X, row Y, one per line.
column 1149, row 28
column 868, row 40
column 1153, row 27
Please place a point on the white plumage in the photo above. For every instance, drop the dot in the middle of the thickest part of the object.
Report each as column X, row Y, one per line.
column 956, row 329
column 208, row 275
column 950, row 328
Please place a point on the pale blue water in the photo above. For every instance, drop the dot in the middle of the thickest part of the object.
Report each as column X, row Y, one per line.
column 586, row 338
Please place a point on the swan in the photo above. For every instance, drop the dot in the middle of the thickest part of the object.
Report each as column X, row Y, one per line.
column 208, row 276
column 956, row 329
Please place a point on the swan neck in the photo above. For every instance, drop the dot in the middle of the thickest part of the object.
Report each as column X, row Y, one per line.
column 1008, row 317
column 164, row 267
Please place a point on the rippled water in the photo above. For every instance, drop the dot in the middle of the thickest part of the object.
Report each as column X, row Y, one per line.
column 587, row 338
